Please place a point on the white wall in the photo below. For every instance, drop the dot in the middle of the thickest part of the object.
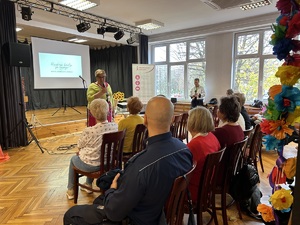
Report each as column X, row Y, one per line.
column 218, row 64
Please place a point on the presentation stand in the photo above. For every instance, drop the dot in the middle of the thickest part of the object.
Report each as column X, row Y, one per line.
column 64, row 105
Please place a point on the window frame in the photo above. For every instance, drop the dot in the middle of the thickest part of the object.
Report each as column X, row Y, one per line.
column 185, row 63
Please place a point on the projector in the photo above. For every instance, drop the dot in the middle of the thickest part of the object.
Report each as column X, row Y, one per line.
column 82, row 27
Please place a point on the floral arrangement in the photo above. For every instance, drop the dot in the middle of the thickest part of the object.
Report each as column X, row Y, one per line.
column 283, row 109
column 119, row 96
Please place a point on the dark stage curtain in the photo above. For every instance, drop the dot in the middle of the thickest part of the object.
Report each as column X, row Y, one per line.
column 117, row 63
column 144, row 49
column 12, row 127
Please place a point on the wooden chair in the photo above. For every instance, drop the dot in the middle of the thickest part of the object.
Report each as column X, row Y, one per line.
column 228, row 169
column 112, row 148
column 175, row 126
column 138, row 141
column 174, row 207
column 255, row 147
column 214, row 111
column 248, row 132
column 183, row 132
column 206, row 197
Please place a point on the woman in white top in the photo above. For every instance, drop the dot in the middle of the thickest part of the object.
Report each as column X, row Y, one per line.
column 89, row 144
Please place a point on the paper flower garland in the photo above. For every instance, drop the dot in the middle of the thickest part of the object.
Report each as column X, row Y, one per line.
column 283, row 109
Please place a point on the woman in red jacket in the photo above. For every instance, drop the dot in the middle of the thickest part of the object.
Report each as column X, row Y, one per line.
column 200, row 124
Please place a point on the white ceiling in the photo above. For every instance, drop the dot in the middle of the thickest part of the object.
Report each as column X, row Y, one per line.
column 175, row 14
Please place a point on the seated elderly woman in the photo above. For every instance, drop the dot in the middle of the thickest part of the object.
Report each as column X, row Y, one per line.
column 134, row 106
column 89, row 145
column 230, row 132
column 200, row 124
column 242, row 99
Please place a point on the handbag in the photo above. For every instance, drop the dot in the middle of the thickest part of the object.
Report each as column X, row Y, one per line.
column 105, row 180
column 191, row 218
column 244, row 182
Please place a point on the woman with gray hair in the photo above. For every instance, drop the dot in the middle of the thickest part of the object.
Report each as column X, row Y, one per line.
column 89, row 144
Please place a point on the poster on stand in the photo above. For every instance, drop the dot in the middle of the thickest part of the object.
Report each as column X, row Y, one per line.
column 143, row 81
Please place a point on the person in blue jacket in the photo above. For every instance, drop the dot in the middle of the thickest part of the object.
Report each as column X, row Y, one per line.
column 139, row 194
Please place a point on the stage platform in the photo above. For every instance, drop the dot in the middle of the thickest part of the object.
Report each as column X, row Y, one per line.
column 53, row 122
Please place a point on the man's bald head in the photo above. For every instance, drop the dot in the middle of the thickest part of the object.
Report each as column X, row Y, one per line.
column 159, row 114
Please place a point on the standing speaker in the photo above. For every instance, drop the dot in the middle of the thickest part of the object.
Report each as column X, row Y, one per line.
column 17, row 54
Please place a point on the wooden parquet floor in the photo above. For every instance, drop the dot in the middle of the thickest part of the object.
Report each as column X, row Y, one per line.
column 33, row 185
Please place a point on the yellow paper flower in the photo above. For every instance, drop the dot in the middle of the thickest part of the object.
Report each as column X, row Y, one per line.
column 119, row 96
column 281, row 199
column 266, row 212
column 279, row 129
column 288, row 75
column 294, row 117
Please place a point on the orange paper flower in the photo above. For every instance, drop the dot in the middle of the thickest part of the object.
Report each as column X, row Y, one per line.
column 266, row 212
column 274, row 90
column 279, row 129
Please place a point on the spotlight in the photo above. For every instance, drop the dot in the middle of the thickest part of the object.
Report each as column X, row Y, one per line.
column 26, row 13
column 82, row 27
column 101, row 30
column 133, row 38
column 119, row 35
column 112, row 29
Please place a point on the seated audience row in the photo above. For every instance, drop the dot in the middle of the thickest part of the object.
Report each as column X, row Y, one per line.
column 139, row 194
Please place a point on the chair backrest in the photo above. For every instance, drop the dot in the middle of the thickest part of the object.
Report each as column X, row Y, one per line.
column 183, row 133
column 138, row 138
column 208, row 180
column 175, row 126
column 214, row 112
column 248, row 132
column 234, row 163
column 112, row 151
column 255, row 144
column 174, row 207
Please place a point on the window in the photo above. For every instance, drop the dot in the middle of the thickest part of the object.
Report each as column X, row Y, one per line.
column 254, row 64
column 177, row 65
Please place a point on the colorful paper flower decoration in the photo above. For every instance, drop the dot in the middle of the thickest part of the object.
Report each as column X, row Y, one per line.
column 272, row 143
column 266, row 212
column 281, row 199
column 288, row 75
column 288, row 99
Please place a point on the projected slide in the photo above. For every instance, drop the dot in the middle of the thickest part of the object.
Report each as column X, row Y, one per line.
column 59, row 65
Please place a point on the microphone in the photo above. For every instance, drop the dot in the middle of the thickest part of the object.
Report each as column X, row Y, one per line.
column 81, row 78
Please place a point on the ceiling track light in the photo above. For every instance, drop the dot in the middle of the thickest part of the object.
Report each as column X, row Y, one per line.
column 83, row 27
column 119, row 35
column 101, row 30
column 26, row 13
column 77, row 15
column 111, row 29
column 133, row 38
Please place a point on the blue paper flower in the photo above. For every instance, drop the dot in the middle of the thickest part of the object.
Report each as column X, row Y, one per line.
column 272, row 143
column 288, row 99
column 282, row 48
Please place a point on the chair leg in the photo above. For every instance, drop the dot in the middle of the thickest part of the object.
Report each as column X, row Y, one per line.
column 239, row 209
column 199, row 217
column 75, row 187
column 223, row 206
column 260, row 160
column 213, row 209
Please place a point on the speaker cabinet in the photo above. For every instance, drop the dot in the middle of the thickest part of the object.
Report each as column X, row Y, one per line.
column 17, row 54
